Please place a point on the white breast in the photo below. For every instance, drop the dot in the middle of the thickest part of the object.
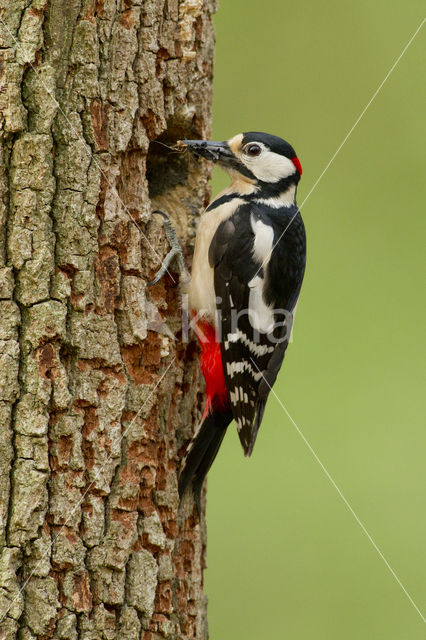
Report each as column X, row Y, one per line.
column 202, row 297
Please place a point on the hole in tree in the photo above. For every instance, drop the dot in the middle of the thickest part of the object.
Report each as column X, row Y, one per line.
column 166, row 168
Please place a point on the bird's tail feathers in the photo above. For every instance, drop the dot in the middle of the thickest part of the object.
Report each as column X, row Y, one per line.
column 201, row 453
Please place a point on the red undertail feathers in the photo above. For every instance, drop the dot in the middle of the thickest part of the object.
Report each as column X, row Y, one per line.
column 212, row 367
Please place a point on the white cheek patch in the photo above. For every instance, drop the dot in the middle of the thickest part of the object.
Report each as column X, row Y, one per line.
column 269, row 166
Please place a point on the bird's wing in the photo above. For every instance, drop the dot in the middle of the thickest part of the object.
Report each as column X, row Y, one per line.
column 251, row 356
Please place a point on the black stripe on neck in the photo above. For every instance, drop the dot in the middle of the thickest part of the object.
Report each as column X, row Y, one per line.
column 273, row 189
column 265, row 190
column 228, row 198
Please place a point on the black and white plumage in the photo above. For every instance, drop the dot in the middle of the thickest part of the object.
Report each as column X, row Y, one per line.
column 247, row 272
column 257, row 290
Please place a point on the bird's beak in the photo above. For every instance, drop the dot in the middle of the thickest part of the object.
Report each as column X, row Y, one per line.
column 215, row 151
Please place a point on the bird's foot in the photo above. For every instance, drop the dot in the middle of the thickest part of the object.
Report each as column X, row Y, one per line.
column 175, row 252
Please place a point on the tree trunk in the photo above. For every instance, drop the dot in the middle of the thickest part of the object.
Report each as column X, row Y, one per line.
column 97, row 396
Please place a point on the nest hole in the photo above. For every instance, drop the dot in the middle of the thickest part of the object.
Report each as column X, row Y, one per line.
column 166, row 167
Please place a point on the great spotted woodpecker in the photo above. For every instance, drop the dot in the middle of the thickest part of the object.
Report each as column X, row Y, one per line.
column 247, row 272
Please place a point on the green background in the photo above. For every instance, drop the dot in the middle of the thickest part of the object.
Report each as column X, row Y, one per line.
column 286, row 558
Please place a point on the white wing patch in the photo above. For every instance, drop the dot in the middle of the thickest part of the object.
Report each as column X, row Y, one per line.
column 260, row 315
column 263, row 239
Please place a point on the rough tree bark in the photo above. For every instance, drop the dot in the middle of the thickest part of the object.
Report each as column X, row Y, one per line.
column 97, row 400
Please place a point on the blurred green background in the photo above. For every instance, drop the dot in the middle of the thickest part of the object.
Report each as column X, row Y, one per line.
column 286, row 559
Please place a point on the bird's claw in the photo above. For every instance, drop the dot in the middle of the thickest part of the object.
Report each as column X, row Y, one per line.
column 175, row 252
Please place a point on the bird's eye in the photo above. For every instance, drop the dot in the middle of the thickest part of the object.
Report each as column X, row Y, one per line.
column 253, row 150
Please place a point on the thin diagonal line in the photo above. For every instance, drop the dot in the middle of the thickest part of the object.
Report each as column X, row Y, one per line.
column 345, row 139
column 333, row 482
column 364, row 110
column 94, row 157
column 88, row 488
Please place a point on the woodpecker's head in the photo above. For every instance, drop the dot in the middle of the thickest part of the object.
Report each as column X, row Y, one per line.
column 256, row 157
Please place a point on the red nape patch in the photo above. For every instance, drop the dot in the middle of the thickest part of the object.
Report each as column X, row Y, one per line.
column 297, row 164
column 211, row 366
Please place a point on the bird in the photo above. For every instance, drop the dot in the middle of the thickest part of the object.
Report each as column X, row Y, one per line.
column 246, row 277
